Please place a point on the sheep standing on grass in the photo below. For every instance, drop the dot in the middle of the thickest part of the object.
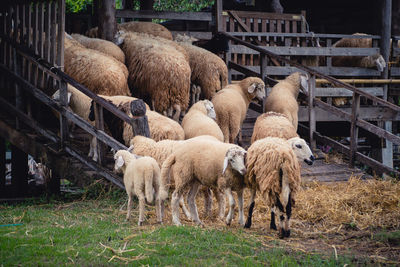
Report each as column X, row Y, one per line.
column 104, row 46
column 144, row 146
column 209, row 163
column 200, row 121
column 141, row 177
column 100, row 73
column 232, row 102
column 209, row 71
column 283, row 96
column 358, row 61
column 158, row 73
column 274, row 170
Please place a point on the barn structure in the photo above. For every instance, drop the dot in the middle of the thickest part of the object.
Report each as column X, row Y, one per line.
column 263, row 44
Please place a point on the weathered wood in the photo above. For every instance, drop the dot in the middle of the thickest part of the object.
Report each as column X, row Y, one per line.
column 263, row 71
column 140, row 123
column 19, row 172
column 354, row 129
column 53, row 32
column 266, row 15
column 60, row 35
column 99, row 123
column 2, row 166
column 197, row 16
column 311, row 111
column 107, row 21
column 218, row 16
column 63, row 121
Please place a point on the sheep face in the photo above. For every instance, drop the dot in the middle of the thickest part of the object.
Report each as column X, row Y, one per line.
column 210, row 109
column 380, row 63
column 235, row 157
column 302, row 150
column 304, row 83
column 119, row 163
column 257, row 89
column 56, row 96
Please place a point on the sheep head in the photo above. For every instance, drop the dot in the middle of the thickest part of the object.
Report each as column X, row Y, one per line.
column 119, row 162
column 380, row 62
column 56, row 96
column 210, row 109
column 304, row 77
column 301, row 150
column 235, row 157
column 257, row 89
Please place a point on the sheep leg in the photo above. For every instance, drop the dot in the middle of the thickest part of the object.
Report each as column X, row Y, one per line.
column 272, row 225
column 176, row 196
column 177, row 114
column 141, row 208
column 207, row 202
column 231, row 200
column 251, row 208
column 197, row 95
column 192, row 203
column 240, row 205
column 185, row 210
column 93, row 149
column 221, row 203
column 129, row 207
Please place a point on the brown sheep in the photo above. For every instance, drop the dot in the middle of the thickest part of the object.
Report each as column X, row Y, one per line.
column 283, row 96
column 232, row 102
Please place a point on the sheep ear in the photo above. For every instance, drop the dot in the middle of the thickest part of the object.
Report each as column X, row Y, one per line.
column 56, row 95
column 69, row 97
column 130, row 149
column 120, row 162
column 225, row 165
column 251, row 88
column 113, row 151
column 304, row 83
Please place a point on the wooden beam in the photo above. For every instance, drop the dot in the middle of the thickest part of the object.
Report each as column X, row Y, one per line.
column 219, row 19
column 311, row 111
column 107, row 21
column 196, row 16
column 354, row 128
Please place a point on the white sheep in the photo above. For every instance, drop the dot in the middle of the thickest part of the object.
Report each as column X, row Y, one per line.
column 274, row 170
column 283, row 96
column 232, row 102
column 200, row 120
column 209, row 163
column 159, row 73
column 104, row 46
column 141, row 177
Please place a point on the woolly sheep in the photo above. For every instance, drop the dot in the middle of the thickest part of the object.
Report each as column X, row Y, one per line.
column 357, row 61
column 160, row 150
column 232, row 102
column 100, row 73
column 283, row 96
column 159, row 73
column 208, row 70
column 141, row 177
column 210, row 163
column 161, row 127
column 200, row 120
column 272, row 169
column 104, row 46
column 272, row 124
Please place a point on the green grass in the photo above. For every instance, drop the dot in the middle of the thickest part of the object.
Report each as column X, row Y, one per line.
column 93, row 232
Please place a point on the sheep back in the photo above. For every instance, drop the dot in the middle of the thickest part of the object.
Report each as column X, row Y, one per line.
column 146, row 27
column 274, row 125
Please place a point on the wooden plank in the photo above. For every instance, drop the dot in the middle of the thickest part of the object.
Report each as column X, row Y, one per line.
column 198, row 35
column 303, row 35
column 218, row 16
column 99, row 123
column 343, row 92
column 311, row 111
column 266, row 15
column 60, row 35
column 145, row 14
column 53, row 30
column 47, row 22
column 354, row 129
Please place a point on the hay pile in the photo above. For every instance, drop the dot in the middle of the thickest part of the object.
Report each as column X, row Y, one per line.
column 357, row 203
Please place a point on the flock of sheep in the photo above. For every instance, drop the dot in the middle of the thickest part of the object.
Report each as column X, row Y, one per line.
column 193, row 150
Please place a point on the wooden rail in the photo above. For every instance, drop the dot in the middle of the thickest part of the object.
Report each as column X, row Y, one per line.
column 313, row 102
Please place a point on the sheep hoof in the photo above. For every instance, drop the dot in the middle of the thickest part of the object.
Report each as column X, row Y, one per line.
column 228, row 222
column 140, row 223
column 127, row 219
column 248, row 224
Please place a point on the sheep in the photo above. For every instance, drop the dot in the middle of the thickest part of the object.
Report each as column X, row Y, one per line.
column 159, row 73
column 80, row 104
column 200, row 120
column 141, row 177
column 232, row 102
column 104, row 46
column 160, row 150
column 274, row 170
column 283, row 96
column 208, row 70
column 272, row 124
column 98, row 72
column 357, row 61
column 161, row 127
column 209, row 163
column 136, row 26
column 218, row 44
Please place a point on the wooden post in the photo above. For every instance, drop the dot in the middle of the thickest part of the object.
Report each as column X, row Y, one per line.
column 228, row 56
column 218, row 16
column 263, row 71
column 19, row 171
column 140, row 123
column 63, row 120
column 354, row 129
column 99, row 123
column 107, row 22
column 311, row 111
column 387, row 151
column 2, row 166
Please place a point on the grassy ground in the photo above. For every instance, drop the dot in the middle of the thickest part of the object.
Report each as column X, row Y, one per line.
column 86, row 231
